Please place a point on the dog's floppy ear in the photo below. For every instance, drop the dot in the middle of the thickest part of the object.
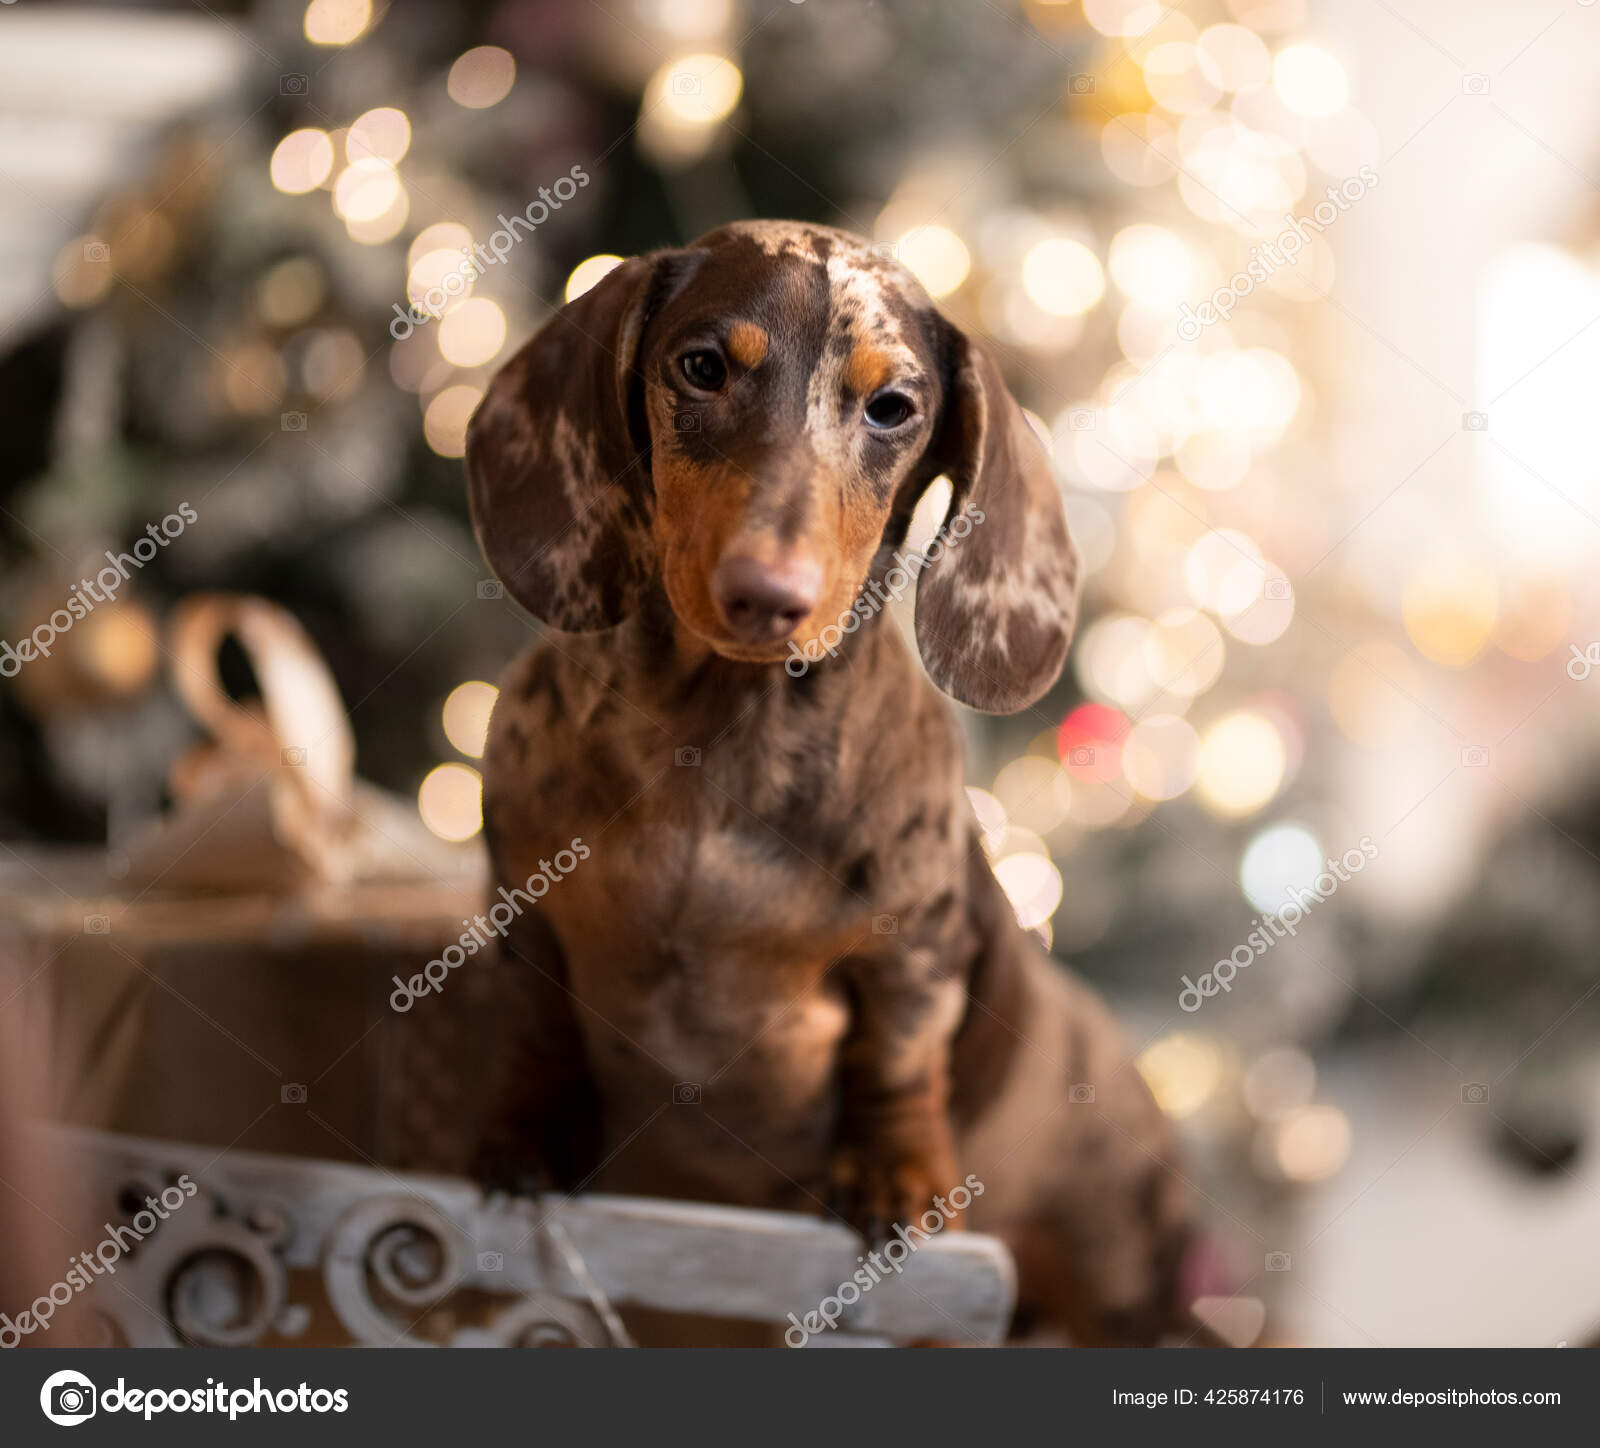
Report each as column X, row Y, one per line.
column 558, row 468
column 995, row 611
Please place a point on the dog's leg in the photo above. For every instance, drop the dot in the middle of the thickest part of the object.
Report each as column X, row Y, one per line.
column 542, row 1125
column 894, row 1157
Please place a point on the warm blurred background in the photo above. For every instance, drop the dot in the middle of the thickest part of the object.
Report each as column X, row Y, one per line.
column 1341, row 541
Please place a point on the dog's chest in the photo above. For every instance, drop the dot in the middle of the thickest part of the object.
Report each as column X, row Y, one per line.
column 699, row 939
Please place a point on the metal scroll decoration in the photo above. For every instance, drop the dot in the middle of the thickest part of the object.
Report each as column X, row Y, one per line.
column 273, row 1250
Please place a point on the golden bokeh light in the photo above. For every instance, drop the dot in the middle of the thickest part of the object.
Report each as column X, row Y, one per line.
column 1211, row 570
column 1535, row 617
column 1257, row 602
column 991, row 817
column 301, row 161
column 587, row 273
column 466, row 716
column 684, row 102
column 1182, row 78
column 1151, row 265
column 1183, row 652
column 1309, row 80
column 1033, row 886
column 1242, row 763
column 1111, row 663
column 1239, row 55
column 449, row 236
column 1450, row 605
column 337, row 22
column 385, row 226
column 366, row 190
column 439, row 281
column 1161, row 756
column 450, row 801
column 1141, row 150
column 1373, row 694
column 1182, row 1071
column 936, row 256
column 1062, row 276
column 482, row 77
column 1122, row 17
column 1311, row 1145
column 444, row 423
column 1034, row 792
column 383, row 134
column 473, row 333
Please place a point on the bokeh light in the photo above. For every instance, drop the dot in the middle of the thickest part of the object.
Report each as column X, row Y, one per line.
column 1161, row 756
column 1450, row 604
column 1309, row 80
column 1062, row 276
column 301, row 161
column 1182, row 1071
column 1242, row 764
column 450, row 801
column 587, row 273
column 337, row 22
column 1034, row 792
column 1151, row 265
column 473, row 333
column 365, row 190
column 444, row 423
column 466, row 716
column 383, row 134
column 936, row 256
column 1183, row 652
column 1373, row 695
column 482, row 77
column 440, row 280
column 1033, row 886
column 1311, row 1145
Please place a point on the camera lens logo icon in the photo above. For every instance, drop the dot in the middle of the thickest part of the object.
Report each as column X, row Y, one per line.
column 67, row 1398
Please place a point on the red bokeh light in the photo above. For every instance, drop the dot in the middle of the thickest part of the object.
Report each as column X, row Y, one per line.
column 1090, row 742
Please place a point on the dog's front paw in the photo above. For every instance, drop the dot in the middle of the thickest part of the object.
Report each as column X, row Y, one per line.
column 503, row 1164
column 876, row 1188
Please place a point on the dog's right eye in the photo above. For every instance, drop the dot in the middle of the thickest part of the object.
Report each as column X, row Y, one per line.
column 705, row 370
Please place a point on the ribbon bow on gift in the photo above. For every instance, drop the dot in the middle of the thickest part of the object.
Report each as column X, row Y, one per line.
column 271, row 800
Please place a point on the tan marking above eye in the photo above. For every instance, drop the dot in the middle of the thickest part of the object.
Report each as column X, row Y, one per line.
column 867, row 369
column 747, row 343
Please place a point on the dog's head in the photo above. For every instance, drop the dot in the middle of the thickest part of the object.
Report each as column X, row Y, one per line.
column 752, row 419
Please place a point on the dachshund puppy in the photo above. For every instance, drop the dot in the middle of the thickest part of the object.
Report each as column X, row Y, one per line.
column 785, row 977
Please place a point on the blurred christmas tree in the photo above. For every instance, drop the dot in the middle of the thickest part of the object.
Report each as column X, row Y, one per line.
column 270, row 320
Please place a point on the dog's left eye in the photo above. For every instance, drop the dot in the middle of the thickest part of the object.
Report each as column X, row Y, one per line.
column 705, row 370
column 889, row 409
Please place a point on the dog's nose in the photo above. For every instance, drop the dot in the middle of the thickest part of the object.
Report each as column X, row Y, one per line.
column 760, row 601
